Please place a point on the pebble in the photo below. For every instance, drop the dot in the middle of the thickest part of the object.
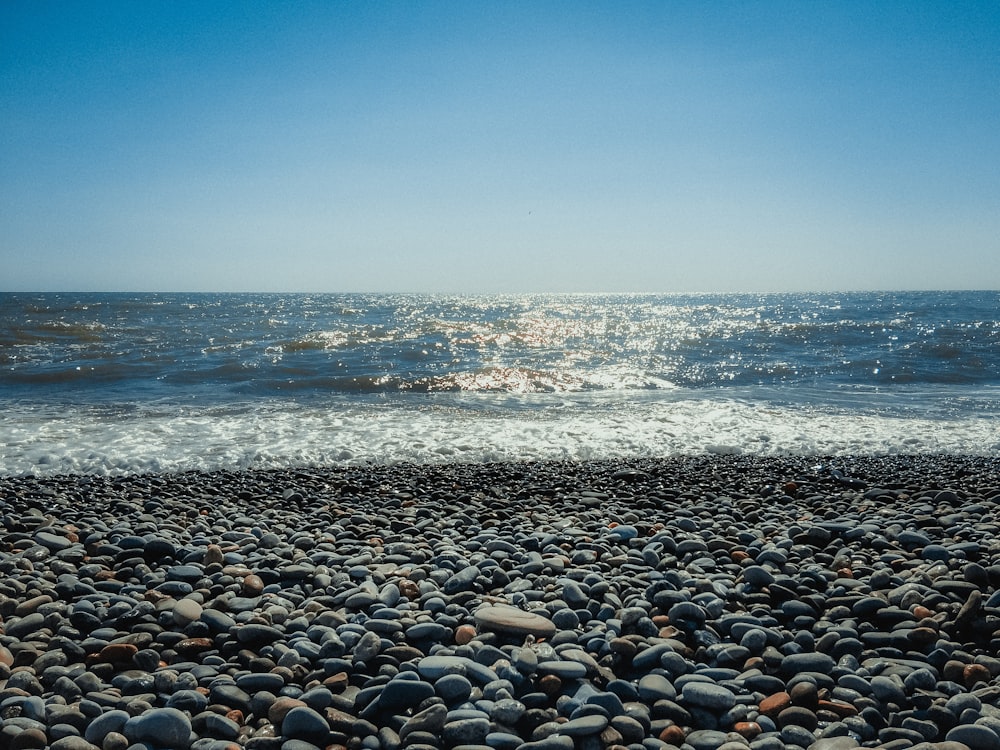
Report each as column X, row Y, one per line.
column 708, row 695
column 710, row 602
column 505, row 619
column 165, row 727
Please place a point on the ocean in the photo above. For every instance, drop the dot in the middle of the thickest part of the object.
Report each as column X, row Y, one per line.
column 131, row 383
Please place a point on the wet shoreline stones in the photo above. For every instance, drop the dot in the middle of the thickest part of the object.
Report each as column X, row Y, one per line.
column 687, row 603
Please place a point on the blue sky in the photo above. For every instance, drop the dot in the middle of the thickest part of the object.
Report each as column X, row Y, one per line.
column 499, row 147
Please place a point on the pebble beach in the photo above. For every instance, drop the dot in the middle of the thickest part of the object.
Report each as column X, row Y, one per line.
column 691, row 603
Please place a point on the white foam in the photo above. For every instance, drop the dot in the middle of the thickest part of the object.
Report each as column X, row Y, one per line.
column 112, row 440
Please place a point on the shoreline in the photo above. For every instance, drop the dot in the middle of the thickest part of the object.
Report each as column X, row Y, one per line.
column 761, row 601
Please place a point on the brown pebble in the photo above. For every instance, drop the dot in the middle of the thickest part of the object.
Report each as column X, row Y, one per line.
column 799, row 716
column 464, row 634
column 804, row 694
column 772, row 705
column 747, row 729
column 194, row 645
column 6, row 657
column 550, row 685
column 673, row 735
column 336, row 682
column 974, row 673
column 29, row 739
column 409, row 589
column 839, row 708
column 623, row 646
column 922, row 635
column 280, row 708
column 30, row 605
column 116, row 653
column 213, row 555
column 253, row 585
column 611, row 737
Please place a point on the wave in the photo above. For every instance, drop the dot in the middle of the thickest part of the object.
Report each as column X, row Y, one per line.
column 120, row 439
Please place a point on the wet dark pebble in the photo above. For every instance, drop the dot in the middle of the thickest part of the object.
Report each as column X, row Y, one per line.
column 722, row 602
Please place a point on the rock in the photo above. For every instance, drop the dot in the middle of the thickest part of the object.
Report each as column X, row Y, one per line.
column 164, row 727
column 504, row 619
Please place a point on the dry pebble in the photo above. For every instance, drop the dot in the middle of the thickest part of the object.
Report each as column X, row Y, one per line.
column 727, row 602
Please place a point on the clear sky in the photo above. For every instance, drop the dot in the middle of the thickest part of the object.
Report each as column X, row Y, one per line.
column 499, row 147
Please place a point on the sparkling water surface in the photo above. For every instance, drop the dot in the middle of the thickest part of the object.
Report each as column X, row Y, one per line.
column 149, row 382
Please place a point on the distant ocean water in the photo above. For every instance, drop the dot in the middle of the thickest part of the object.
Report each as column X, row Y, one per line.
column 121, row 383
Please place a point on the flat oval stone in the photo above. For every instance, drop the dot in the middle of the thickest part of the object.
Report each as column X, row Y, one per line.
column 708, row 695
column 567, row 670
column 400, row 694
column 974, row 735
column 186, row 611
column 584, row 725
column 507, row 619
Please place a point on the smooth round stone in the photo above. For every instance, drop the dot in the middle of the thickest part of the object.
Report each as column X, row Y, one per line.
column 757, row 575
column 53, row 542
column 106, row 723
column 302, row 723
column 515, row 621
column 256, row 634
column 793, row 734
column 835, row 743
column 810, row 661
column 553, row 742
column 503, row 741
column 654, row 687
column 428, row 630
column 687, row 615
column 431, row 720
column 935, row 552
column 185, row 573
column 164, row 727
column 708, row 695
column 186, row 611
column 229, row 695
column 975, row 736
column 466, row 731
column 584, row 725
column 257, row 681
column 706, row 739
column 25, row 626
column 434, row 667
column 566, row 670
column 399, row 694
column 453, row 688
column 188, row 700
column 462, row 580
column 797, row 716
column 221, row 727
column 72, row 742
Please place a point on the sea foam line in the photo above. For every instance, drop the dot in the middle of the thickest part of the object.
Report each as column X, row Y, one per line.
column 114, row 441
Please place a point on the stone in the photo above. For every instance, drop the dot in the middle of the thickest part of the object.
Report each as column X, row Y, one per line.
column 164, row 727
column 505, row 619
column 708, row 695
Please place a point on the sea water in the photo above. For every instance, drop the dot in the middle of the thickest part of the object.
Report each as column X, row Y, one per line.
column 123, row 383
